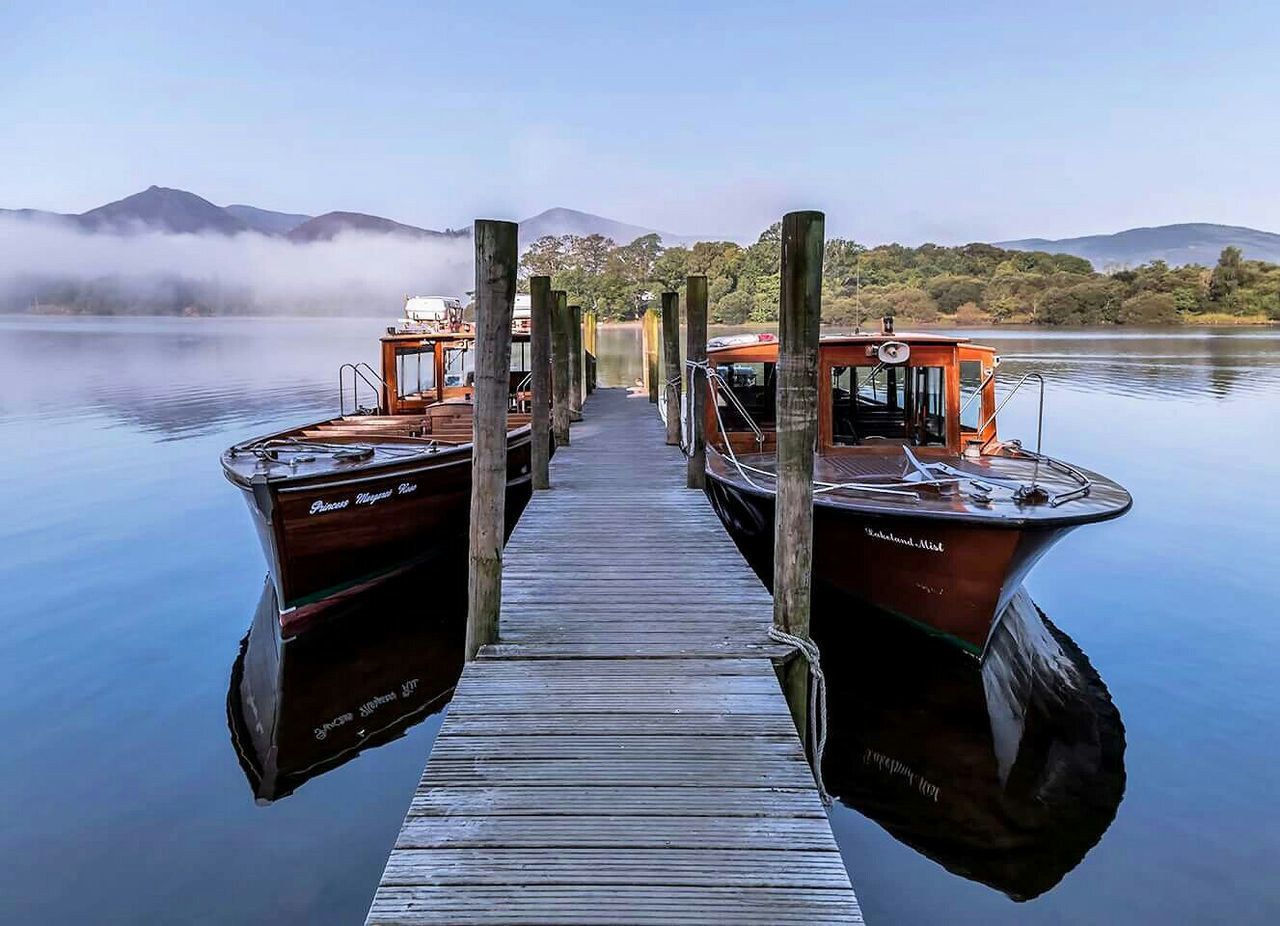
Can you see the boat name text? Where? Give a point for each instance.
(916, 543)
(901, 770)
(328, 727)
(320, 506)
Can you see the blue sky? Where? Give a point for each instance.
(946, 122)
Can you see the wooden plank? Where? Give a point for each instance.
(623, 753)
(645, 800)
(559, 905)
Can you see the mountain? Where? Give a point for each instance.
(328, 226)
(1188, 243)
(164, 210)
(561, 221)
(36, 215)
(266, 221)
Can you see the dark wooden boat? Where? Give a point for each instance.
(919, 507)
(380, 663)
(343, 503)
(1007, 773)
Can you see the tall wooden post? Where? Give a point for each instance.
(695, 297)
(496, 257)
(671, 365)
(577, 364)
(560, 367)
(590, 345)
(540, 362)
(652, 322)
(644, 351)
(797, 430)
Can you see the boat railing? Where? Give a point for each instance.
(1005, 401)
(1083, 482)
(991, 374)
(360, 372)
(720, 384)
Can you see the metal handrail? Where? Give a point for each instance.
(716, 379)
(981, 386)
(1012, 392)
(1035, 470)
(358, 370)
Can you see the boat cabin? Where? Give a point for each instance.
(423, 368)
(935, 392)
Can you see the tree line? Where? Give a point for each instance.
(931, 284)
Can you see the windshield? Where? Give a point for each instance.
(888, 404)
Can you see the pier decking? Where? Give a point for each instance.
(624, 754)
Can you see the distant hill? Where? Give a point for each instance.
(328, 226)
(171, 211)
(161, 209)
(561, 221)
(266, 221)
(1189, 243)
(36, 215)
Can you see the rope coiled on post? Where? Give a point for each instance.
(817, 702)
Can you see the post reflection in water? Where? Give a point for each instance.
(1006, 773)
(376, 665)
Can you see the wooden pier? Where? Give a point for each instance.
(625, 753)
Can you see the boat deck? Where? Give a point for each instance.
(624, 754)
(1105, 499)
(318, 449)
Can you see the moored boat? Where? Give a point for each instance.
(919, 507)
(343, 503)
(379, 664)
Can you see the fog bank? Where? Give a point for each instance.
(47, 266)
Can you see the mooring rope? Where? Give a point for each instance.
(817, 702)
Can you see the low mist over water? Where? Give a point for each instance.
(48, 266)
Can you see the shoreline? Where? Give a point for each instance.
(1202, 321)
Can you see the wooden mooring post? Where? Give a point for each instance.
(540, 382)
(652, 322)
(797, 431)
(591, 354)
(577, 364)
(496, 255)
(560, 367)
(671, 365)
(695, 298)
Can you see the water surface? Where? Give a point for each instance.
(131, 577)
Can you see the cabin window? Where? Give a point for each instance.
(970, 394)
(754, 385)
(888, 404)
(415, 370)
(459, 367)
(521, 357)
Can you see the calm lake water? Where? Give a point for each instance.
(131, 576)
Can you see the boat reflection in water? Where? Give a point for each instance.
(1007, 774)
(380, 663)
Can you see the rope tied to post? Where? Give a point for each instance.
(817, 702)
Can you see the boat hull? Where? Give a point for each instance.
(328, 536)
(952, 577)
